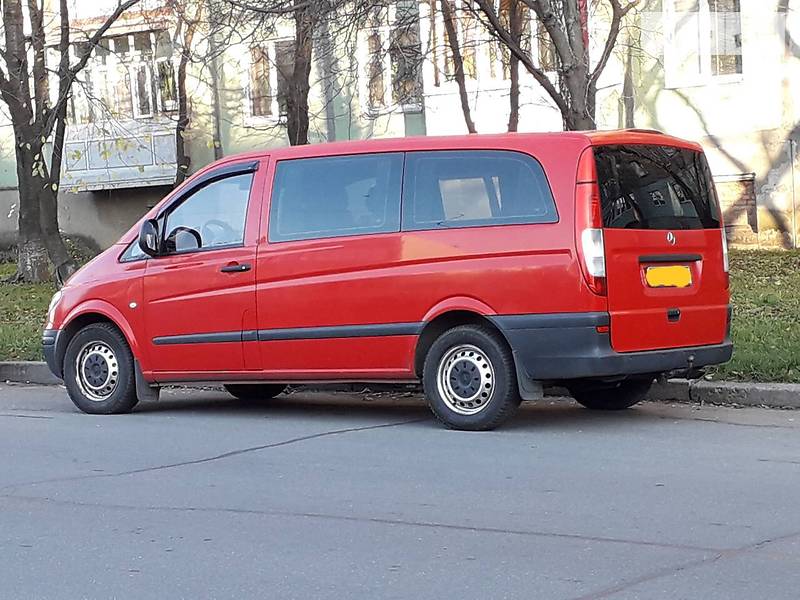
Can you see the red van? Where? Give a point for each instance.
(485, 266)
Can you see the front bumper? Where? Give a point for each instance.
(568, 346)
(50, 349)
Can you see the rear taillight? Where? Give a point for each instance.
(589, 224)
(726, 266)
(594, 259)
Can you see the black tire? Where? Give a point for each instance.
(474, 353)
(254, 392)
(110, 357)
(618, 396)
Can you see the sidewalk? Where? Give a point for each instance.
(769, 395)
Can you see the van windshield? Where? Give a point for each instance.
(655, 187)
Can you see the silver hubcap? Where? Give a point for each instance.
(465, 378)
(97, 371)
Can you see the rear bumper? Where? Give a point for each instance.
(568, 346)
(49, 348)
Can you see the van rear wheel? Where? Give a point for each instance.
(617, 396)
(254, 392)
(470, 380)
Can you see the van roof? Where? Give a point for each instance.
(471, 141)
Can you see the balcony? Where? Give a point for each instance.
(121, 154)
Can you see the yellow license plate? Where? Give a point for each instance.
(673, 276)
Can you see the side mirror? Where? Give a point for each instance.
(148, 238)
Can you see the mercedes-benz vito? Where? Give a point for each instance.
(484, 266)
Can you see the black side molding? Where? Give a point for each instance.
(295, 333)
(340, 331)
(669, 258)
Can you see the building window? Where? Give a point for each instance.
(405, 55)
(704, 42)
(165, 71)
(391, 57)
(466, 32)
(504, 13)
(547, 50)
(270, 69)
(726, 37)
(284, 61)
(375, 66)
(260, 101)
(125, 79)
(144, 91)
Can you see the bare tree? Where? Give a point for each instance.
(451, 29)
(515, 27)
(307, 17)
(36, 119)
(565, 23)
(189, 18)
(327, 33)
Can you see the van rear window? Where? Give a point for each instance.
(655, 187)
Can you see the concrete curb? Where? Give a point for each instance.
(770, 395)
(27, 372)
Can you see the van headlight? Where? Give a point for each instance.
(53, 303)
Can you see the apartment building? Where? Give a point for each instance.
(722, 72)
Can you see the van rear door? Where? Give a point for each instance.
(666, 266)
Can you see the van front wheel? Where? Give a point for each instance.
(617, 396)
(469, 379)
(98, 371)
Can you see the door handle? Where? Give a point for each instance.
(236, 268)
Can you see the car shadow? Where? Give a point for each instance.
(555, 412)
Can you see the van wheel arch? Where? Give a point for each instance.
(78, 323)
(448, 320)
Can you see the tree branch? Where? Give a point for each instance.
(618, 13)
(458, 62)
(498, 30)
(547, 16)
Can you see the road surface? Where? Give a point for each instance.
(340, 496)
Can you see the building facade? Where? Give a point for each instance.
(722, 72)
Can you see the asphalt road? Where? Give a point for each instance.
(337, 496)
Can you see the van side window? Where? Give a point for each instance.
(213, 216)
(471, 188)
(336, 196)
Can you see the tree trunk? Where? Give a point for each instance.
(35, 119)
(48, 199)
(515, 29)
(297, 121)
(458, 63)
(576, 120)
(581, 94)
(51, 235)
(33, 263)
(628, 99)
(182, 158)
